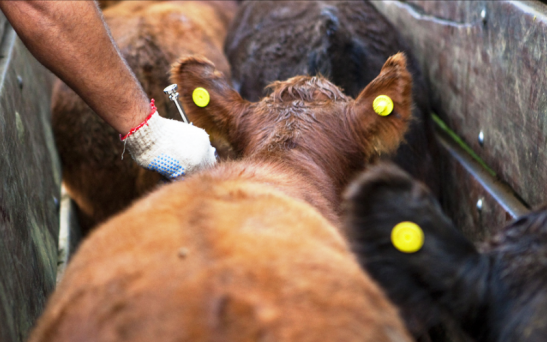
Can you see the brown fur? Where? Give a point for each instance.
(151, 35)
(221, 256)
(236, 252)
(306, 122)
(107, 3)
(347, 42)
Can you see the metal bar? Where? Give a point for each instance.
(500, 191)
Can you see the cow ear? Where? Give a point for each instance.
(215, 106)
(408, 245)
(383, 133)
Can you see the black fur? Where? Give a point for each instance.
(499, 294)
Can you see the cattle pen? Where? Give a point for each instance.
(484, 62)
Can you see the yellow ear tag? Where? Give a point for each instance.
(383, 105)
(201, 97)
(407, 237)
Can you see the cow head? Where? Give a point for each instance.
(304, 119)
(497, 293)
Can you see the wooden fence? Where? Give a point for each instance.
(30, 179)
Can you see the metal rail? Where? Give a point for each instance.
(499, 190)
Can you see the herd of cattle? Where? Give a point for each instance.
(274, 243)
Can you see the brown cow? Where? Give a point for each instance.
(242, 251)
(306, 122)
(151, 36)
(345, 41)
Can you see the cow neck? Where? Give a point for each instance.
(317, 180)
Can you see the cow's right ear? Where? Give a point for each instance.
(215, 108)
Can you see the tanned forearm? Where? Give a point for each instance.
(71, 39)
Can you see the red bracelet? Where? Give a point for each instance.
(145, 122)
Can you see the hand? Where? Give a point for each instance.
(170, 147)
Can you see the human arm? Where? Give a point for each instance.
(71, 39)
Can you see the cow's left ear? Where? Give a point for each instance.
(412, 249)
(382, 111)
(215, 106)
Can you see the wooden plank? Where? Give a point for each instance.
(474, 199)
(487, 75)
(4, 25)
(455, 11)
(29, 191)
(499, 190)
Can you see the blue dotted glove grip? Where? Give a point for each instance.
(167, 166)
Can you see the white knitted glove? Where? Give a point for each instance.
(170, 147)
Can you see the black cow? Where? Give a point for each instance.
(496, 293)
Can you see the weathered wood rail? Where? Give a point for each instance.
(486, 64)
(29, 192)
